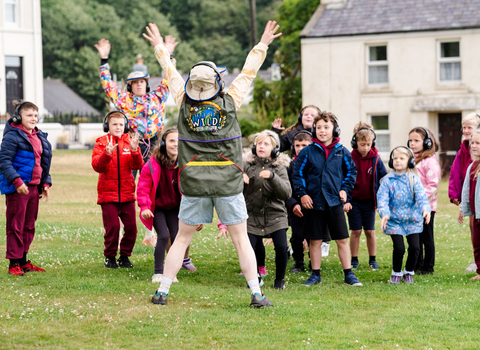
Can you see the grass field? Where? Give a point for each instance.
(78, 304)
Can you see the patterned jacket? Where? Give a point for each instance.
(395, 200)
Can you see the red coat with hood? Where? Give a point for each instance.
(116, 183)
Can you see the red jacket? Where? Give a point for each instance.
(116, 183)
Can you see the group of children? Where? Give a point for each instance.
(198, 167)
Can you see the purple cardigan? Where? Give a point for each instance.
(459, 171)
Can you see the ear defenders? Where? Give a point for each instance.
(105, 122)
(275, 150)
(221, 83)
(129, 87)
(300, 115)
(354, 144)
(427, 142)
(411, 161)
(336, 129)
(17, 118)
(292, 147)
(163, 145)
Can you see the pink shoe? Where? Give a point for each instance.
(189, 266)
(263, 271)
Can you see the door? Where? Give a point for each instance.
(450, 135)
(13, 81)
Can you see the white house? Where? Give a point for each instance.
(396, 65)
(20, 53)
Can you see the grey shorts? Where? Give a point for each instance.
(199, 210)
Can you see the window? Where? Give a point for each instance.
(377, 65)
(450, 66)
(11, 12)
(380, 125)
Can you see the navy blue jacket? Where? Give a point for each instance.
(17, 159)
(323, 179)
(379, 171)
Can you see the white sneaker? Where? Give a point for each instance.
(157, 278)
(472, 267)
(150, 239)
(325, 249)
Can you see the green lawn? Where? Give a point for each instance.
(78, 304)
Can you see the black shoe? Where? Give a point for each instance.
(123, 261)
(110, 263)
(260, 301)
(424, 272)
(279, 284)
(159, 298)
(298, 267)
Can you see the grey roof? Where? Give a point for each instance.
(359, 17)
(59, 98)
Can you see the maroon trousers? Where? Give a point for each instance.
(476, 243)
(22, 212)
(110, 214)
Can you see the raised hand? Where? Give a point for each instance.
(103, 48)
(110, 147)
(170, 43)
(277, 124)
(134, 142)
(153, 36)
(269, 33)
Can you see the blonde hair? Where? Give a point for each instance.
(410, 172)
(472, 117)
(294, 126)
(365, 134)
(475, 158)
(265, 134)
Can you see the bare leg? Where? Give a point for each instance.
(246, 255)
(355, 242)
(187, 252)
(174, 260)
(371, 242)
(344, 253)
(316, 253)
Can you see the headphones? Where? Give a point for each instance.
(275, 150)
(411, 162)
(336, 129)
(105, 123)
(129, 87)
(292, 147)
(427, 142)
(354, 144)
(163, 145)
(17, 118)
(300, 115)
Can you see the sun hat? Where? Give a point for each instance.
(204, 81)
(137, 75)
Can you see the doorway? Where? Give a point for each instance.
(450, 137)
(13, 80)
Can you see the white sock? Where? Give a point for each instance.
(165, 285)
(254, 286)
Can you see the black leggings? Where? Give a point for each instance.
(427, 245)
(164, 222)
(399, 251)
(281, 256)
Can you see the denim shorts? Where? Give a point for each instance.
(199, 210)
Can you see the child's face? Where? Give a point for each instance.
(475, 145)
(468, 128)
(324, 131)
(364, 147)
(308, 116)
(299, 145)
(264, 148)
(171, 141)
(415, 141)
(400, 161)
(139, 87)
(29, 119)
(116, 126)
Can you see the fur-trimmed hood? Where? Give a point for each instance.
(282, 160)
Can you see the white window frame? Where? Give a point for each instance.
(16, 13)
(441, 60)
(382, 132)
(376, 63)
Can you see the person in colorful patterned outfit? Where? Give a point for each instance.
(403, 205)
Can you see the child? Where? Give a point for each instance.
(323, 175)
(402, 202)
(209, 152)
(470, 204)
(423, 144)
(305, 121)
(361, 203)
(114, 156)
(25, 159)
(294, 208)
(459, 168)
(266, 189)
